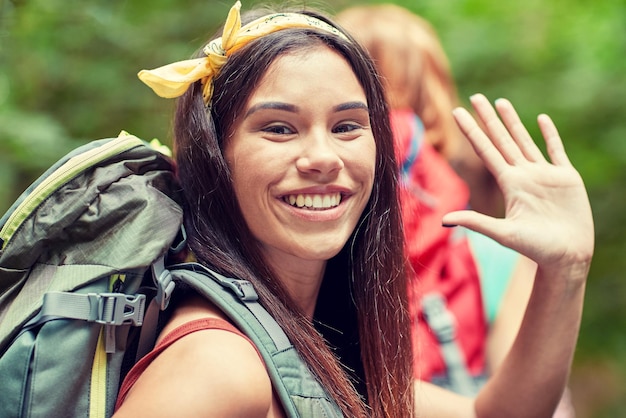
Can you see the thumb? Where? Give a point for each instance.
(475, 221)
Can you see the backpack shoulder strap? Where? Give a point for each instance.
(300, 393)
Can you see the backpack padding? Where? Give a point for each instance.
(299, 391)
(77, 151)
(118, 215)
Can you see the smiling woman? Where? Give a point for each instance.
(294, 114)
(286, 158)
(304, 206)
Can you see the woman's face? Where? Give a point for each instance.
(303, 157)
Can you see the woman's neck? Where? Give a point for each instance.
(302, 279)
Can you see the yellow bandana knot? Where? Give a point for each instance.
(174, 79)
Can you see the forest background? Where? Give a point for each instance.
(68, 75)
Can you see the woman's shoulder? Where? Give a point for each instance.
(192, 308)
(212, 371)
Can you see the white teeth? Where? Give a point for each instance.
(314, 201)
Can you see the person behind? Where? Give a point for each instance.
(286, 157)
(421, 83)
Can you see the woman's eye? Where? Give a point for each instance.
(278, 130)
(345, 128)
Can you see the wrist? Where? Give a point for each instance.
(564, 278)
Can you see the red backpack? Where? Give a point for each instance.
(448, 321)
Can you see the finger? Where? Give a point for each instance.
(498, 133)
(482, 145)
(518, 131)
(554, 144)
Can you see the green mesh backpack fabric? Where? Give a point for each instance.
(85, 271)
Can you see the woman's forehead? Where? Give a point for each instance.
(309, 73)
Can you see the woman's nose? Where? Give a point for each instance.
(319, 156)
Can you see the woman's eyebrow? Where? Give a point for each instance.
(350, 106)
(294, 109)
(272, 105)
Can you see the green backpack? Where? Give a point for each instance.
(85, 272)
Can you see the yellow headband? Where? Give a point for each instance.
(174, 79)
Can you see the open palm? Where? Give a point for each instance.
(548, 216)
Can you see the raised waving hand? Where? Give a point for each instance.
(548, 216)
(548, 219)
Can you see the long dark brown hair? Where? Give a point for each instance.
(373, 256)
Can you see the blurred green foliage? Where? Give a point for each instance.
(68, 75)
